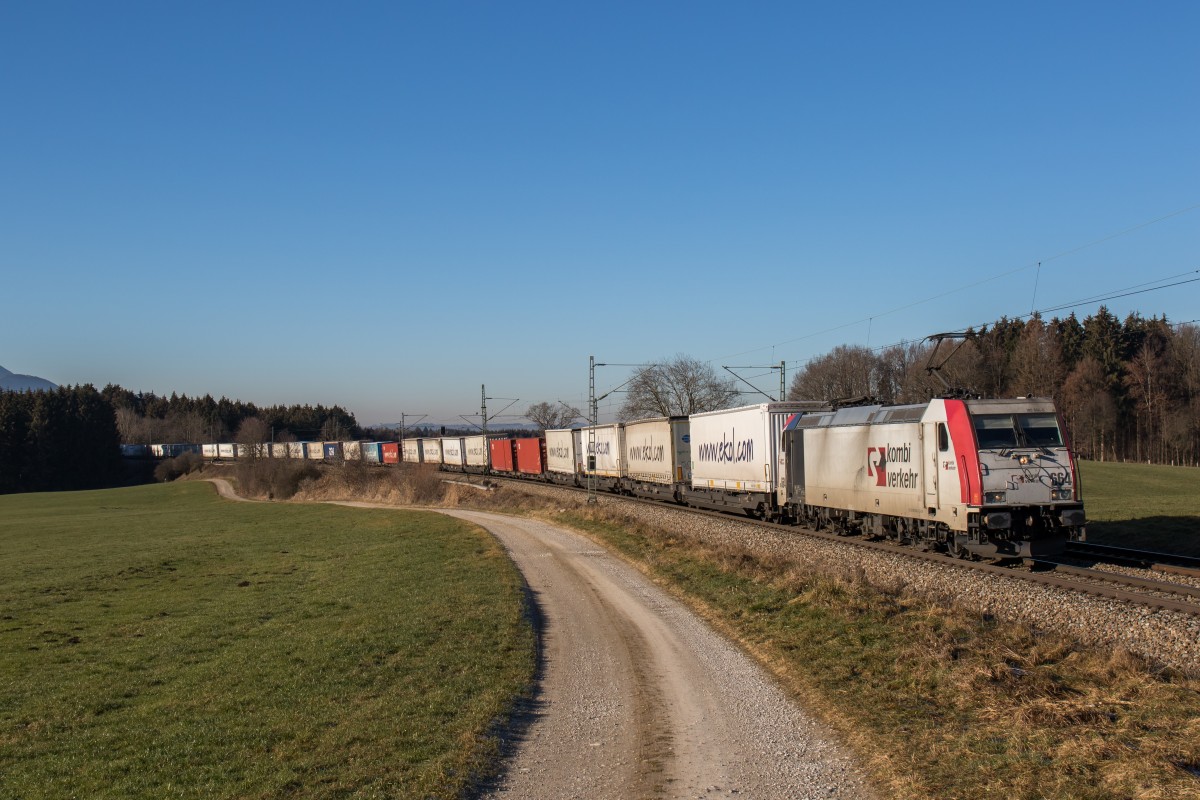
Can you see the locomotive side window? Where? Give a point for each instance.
(943, 437)
(1040, 430)
(995, 430)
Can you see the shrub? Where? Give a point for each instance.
(180, 465)
(274, 478)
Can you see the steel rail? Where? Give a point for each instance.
(1144, 559)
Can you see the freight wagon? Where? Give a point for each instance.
(737, 460)
(454, 453)
(562, 456)
(658, 457)
(478, 453)
(501, 455)
(431, 451)
(603, 447)
(530, 456)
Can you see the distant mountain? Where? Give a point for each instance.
(11, 382)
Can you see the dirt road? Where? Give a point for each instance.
(639, 698)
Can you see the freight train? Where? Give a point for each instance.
(975, 478)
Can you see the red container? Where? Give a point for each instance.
(531, 456)
(501, 452)
(391, 452)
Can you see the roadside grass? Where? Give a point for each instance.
(160, 642)
(1143, 506)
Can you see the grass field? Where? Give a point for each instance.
(160, 642)
(1143, 506)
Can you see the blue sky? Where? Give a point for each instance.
(388, 205)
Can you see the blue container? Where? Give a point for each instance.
(333, 451)
(135, 450)
(372, 452)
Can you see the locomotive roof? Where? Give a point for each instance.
(1009, 405)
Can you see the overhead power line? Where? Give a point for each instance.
(905, 307)
(1129, 291)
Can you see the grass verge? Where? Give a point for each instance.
(160, 642)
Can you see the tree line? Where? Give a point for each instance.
(1128, 390)
(147, 418)
(61, 439)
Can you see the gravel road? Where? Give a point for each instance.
(638, 698)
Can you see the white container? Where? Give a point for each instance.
(656, 450)
(454, 452)
(412, 451)
(605, 443)
(295, 450)
(314, 451)
(561, 455)
(208, 450)
(739, 449)
(226, 451)
(352, 451)
(431, 451)
(279, 450)
(477, 451)
(250, 450)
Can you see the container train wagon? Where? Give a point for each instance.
(975, 478)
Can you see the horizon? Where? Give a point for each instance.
(385, 208)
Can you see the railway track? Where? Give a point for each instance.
(1059, 574)
(1142, 559)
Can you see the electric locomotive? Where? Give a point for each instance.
(978, 478)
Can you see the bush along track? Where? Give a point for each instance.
(938, 700)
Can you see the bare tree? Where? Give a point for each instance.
(252, 433)
(552, 416)
(1089, 409)
(680, 385)
(189, 426)
(132, 427)
(847, 371)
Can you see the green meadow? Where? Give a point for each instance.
(161, 642)
(1143, 506)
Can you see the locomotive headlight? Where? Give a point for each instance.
(1023, 460)
(994, 497)
(1060, 494)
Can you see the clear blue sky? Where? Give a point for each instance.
(388, 205)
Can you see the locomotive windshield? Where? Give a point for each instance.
(998, 431)
(1040, 430)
